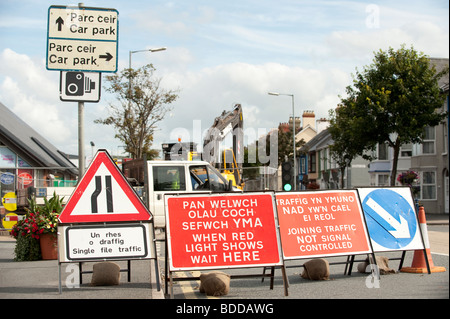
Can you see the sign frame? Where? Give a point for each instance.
(97, 52)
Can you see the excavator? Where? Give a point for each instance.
(227, 161)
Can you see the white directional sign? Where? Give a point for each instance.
(82, 39)
(117, 241)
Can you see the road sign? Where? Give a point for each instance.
(391, 218)
(9, 201)
(82, 39)
(111, 241)
(9, 221)
(321, 223)
(103, 195)
(80, 86)
(25, 178)
(211, 231)
(7, 178)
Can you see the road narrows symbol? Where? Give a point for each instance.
(109, 199)
(98, 190)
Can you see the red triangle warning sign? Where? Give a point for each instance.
(103, 195)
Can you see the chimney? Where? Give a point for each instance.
(309, 118)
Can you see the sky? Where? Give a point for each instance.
(219, 53)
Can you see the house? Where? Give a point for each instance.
(319, 170)
(429, 159)
(306, 130)
(27, 159)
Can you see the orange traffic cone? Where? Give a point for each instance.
(419, 264)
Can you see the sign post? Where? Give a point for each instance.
(82, 39)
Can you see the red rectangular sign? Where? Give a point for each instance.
(222, 231)
(321, 223)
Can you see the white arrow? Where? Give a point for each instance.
(401, 228)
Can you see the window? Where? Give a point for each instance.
(303, 165)
(429, 140)
(169, 178)
(428, 185)
(312, 162)
(406, 150)
(205, 178)
(382, 151)
(7, 157)
(383, 180)
(7, 181)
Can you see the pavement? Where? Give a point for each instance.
(437, 219)
(40, 279)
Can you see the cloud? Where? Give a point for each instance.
(32, 94)
(357, 47)
(206, 93)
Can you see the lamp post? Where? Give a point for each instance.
(147, 50)
(293, 131)
(136, 51)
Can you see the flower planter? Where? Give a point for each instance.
(49, 246)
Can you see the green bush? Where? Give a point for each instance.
(27, 249)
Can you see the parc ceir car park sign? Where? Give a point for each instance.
(82, 39)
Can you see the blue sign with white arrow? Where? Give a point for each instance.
(391, 218)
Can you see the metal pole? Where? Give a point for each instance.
(81, 167)
(80, 132)
(293, 131)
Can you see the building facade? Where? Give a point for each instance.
(428, 159)
(28, 160)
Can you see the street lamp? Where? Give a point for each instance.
(136, 51)
(147, 50)
(293, 130)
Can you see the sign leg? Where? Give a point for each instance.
(272, 273)
(171, 285)
(285, 281)
(59, 275)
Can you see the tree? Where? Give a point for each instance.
(285, 143)
(142, 104)
(348, 143)
(392, 101)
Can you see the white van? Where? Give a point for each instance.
(173, 177)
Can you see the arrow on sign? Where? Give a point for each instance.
(401, 228)
(59, 22)
(106, 56)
